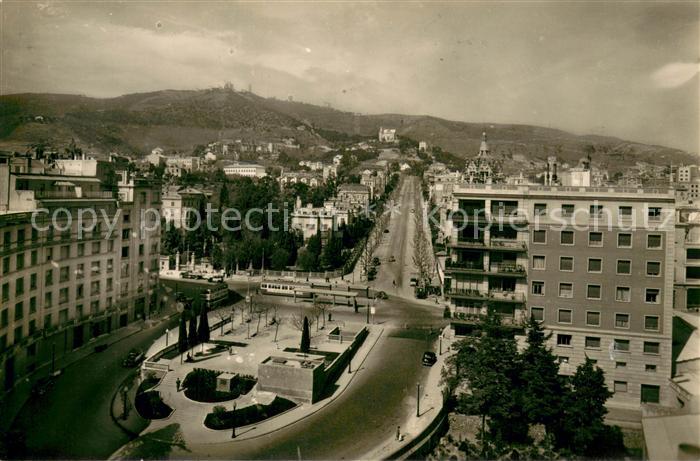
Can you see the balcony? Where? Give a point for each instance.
(507, 244)
(491, 295)
(464, 266)
(509, 269)
(477, 267)
(470, 243)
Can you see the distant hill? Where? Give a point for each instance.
(180, 120)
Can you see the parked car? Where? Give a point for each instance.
(429, 358)
(392, 259)
(43, 385)
(216, 278)
(386, 231)
(382, 295)
(133, 358)
(376, 261)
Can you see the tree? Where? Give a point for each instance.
(583, 427)
(192, 338)
(542, 389)
(279, 259)
(332, 255)
(203, 332)
(182, 335)
(305, 337)
(308, 261)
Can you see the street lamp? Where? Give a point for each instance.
(233, 422)
(167, 336)
(417, 399)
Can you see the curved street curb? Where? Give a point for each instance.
(115, 420)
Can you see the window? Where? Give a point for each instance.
(20, 261)
(596, 210)
(96, 247)
(592, 342)
(49, 254)
(624, 266)
(650, 368)
(65, 252)
(567, 238)
(654, 213)
(621, 345)
(539, 236)
(35, 257)
(564, 316)
(110, 266)
(125, 252)
(624, 240)
(3, 318)
(650, 393)
(595, 265)
(109, 284)
(538, 262)
(593, 291)
(19, 286)
(95, 306)
(125, 234)
(95, 287)
(540, 209)
(141, 250)
(19, 311)
(79, 271)
(63, 295)
(81, 249)
(622, 294)
(593, 318)
(620, 386)
(566, 263)
(6, 291)
(692, 254)
(6, 265)
(652, 296)
(32, 281)
(566, 290)
(48, 299)
(653, 241)
(538, 288)
(64, 274)
(48, 278)
(141, 267)
(79, 291)
(595, 239)
(653, 268)
(651, 347)
(47, 321)
(563, 359)
(651, 322)
(537, 313)
(625, 212)
(95, 267)
(622, 320)
(567, 210)
(563, 340)
(620, 364)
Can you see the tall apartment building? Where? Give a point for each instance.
(59, 289)
(594, 265)
(687, 278)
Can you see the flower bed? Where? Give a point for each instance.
(222, 419)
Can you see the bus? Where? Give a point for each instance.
(284, 288)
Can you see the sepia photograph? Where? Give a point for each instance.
(349, 230)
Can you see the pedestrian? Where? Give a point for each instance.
(177, 384)
(398, 432)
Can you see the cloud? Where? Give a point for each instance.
(675, 74)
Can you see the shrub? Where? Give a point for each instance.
(150, 405)
(200, 385)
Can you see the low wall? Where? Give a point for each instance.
(304, 384)
(333, 371)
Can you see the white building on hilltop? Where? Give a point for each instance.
(387, 135)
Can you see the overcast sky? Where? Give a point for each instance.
(623, 69)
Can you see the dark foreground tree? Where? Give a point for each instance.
(182, 336)
(305, 337)
(192, 337)
(203, 332)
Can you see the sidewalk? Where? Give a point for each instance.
(431, 400)
(190, 415)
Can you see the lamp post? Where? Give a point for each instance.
(418, 400)
(167, 336)
(233, 422)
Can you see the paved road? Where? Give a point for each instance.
(73, 419)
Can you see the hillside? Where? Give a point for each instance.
(179, 120)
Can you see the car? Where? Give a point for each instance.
(386, 231)
(392, 259)
(382, 295)
(216, 278)
(376, 261)
(414, 282)
(413, 210)
(43, 385)
(429, 358)
(133, 358)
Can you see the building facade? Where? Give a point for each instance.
(594, 265)
(61, 287)
(251, 170)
